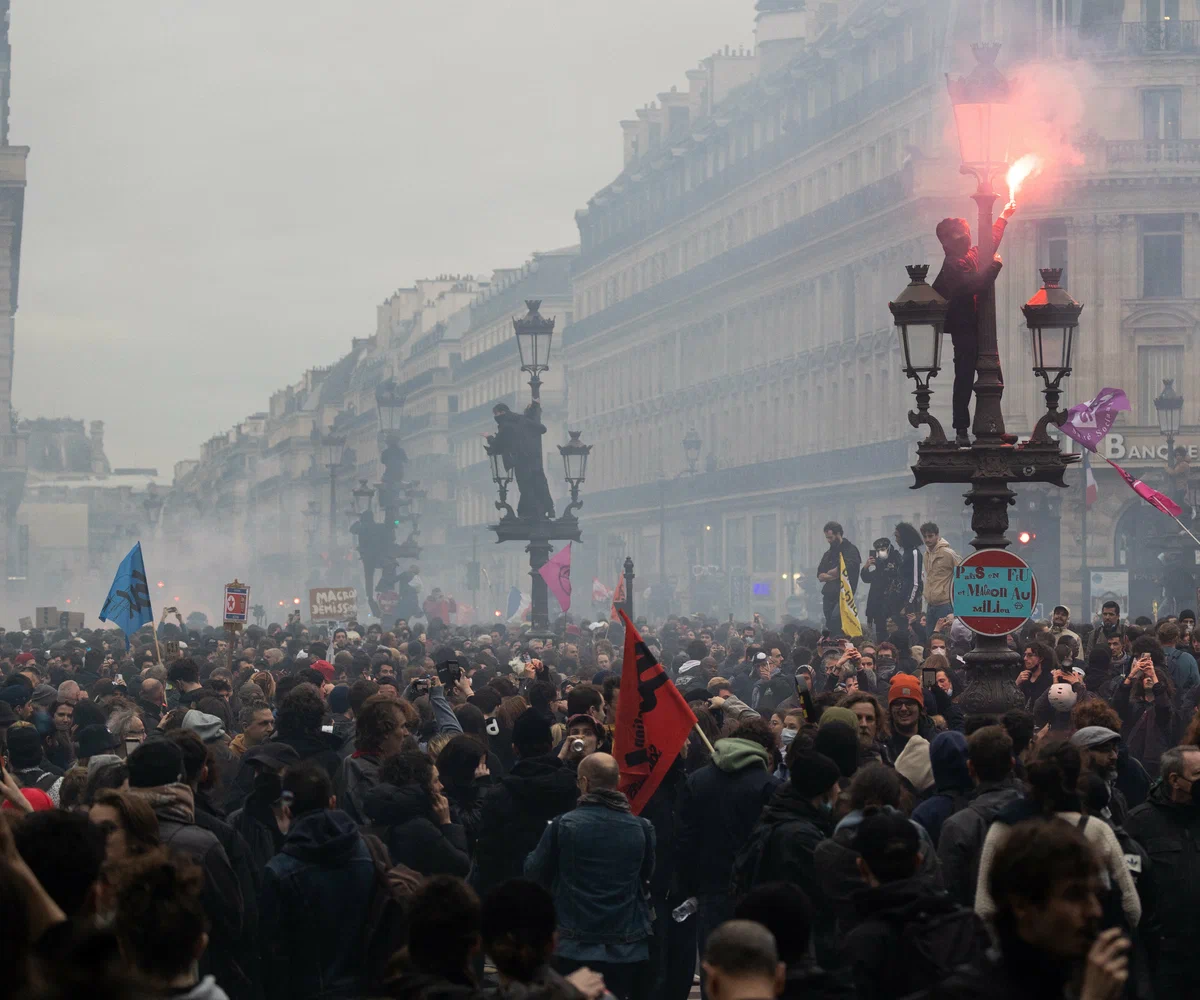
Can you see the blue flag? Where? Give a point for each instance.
(128, 603)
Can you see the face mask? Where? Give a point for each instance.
(881, 553)
(826, 808)
(786, 736)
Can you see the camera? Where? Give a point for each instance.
(449, 672)
(577, 745)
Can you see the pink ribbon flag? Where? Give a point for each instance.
(1088, 422)
(557, 574)
(1160, 501)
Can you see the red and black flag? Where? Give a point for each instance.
(653, 720)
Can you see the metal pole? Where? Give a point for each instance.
(989, 379)
(539, 595)
(629, 587)
(1170, 451)
(1084, 572)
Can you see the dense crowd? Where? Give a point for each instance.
(429, 811)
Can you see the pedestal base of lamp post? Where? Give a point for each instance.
(537, 534)
(989, 470)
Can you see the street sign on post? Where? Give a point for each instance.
(237, 603)
(994, 592)
(328, 604)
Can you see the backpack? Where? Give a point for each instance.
(386, 924)
(747, 862)
(921, 954)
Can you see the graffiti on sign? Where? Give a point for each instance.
(332, 603)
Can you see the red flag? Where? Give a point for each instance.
(1155, 499)
(557, 574)
(618, 597)
(653, 720)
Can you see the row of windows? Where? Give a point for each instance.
(858, 168)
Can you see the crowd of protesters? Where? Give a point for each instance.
(428, 811)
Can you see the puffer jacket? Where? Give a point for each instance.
(939, 573)
(402, 818)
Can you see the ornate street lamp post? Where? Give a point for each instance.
(1169, 406)
(510, 458)
(333, 446)
(992, 462)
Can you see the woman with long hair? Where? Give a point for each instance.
(1145, 701)
(410, 805)
(463, 767)
(1053, 778)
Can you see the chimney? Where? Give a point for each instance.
(780, 30)
(99, 462)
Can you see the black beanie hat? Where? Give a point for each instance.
(156, 762)
(839, 742)
(24, 745)
(532, 730)
(813, 773)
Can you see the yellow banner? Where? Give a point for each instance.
(849, 610)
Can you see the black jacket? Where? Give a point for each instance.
(514, 816)
(961, 280)
(1169, 832)
(875, 950)
(829, 561)
(256, 822)
(317, 747)
(717, 811)
(316, 899)
(797, 828)
(403, 820)
(884, 598)
(808, 981)
(963, 834)
(1015, 969)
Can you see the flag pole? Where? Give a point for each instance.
(703, 738)
(1085, 575)
(1190, 535)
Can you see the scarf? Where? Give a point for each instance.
(610, 798)
(173, 802)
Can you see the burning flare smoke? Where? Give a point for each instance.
(1019, 172)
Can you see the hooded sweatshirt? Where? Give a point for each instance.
(732, 755)
(413, 835)
(952, 783)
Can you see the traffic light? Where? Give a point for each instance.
(1025, 537)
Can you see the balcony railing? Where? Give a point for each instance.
(1159, 36)
(1146, 152)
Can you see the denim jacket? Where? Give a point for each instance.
(596, 860)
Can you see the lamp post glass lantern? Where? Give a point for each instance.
(982, 115)
(1053, 317)
(534, 335)
(1169, 406)
(389, 404)
(363, 494)
(575, 458)
(920, 317)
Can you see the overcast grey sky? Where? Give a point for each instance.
(221, 191)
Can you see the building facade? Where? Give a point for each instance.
(731, 288)
(734, 280)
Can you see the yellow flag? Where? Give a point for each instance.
(849, 610)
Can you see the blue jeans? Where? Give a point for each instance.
(936, 612)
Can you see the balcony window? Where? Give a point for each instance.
(1154, 365)
(1162, 256)
(1160, 114)
(1052, 246)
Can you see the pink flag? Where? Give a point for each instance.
(557, 574)
(1147, 493)
(599, 591)
(1088, 422)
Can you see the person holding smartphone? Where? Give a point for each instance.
(1145, 703)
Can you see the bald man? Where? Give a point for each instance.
(596, 860)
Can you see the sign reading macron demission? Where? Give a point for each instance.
(332, 603)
